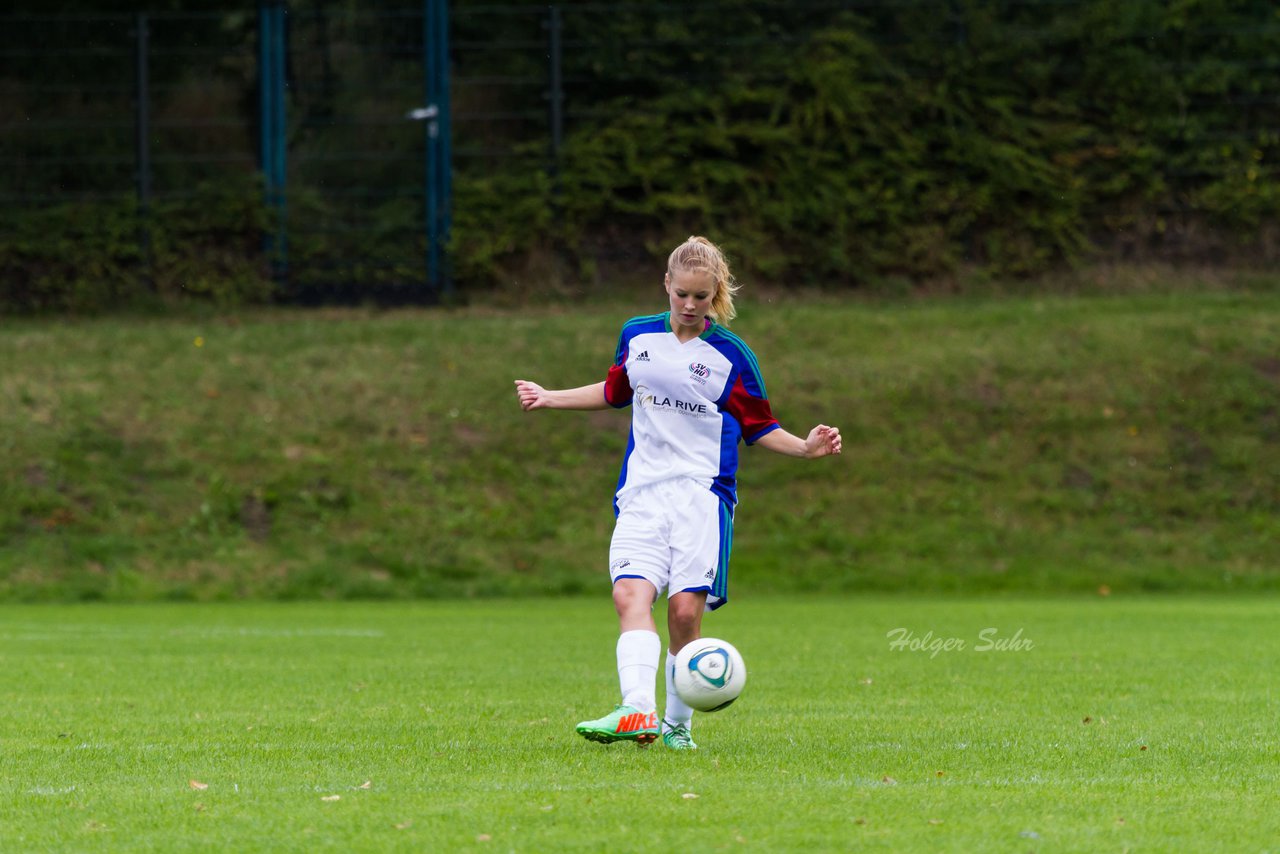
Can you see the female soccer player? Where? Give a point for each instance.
(695, 390)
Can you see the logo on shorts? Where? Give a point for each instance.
(699, 372)
(619, 565)
(711, 573)
(643, 357)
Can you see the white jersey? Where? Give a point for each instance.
(691, 404)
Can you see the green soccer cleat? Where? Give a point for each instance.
(676, 736)
(625, 723)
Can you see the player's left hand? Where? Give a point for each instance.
(823, 441)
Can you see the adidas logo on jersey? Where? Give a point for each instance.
(643, 357)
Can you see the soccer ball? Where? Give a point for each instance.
(709, 674)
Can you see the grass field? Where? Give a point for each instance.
(1027, 444)
(1129, 724)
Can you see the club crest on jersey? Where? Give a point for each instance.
(699, 372)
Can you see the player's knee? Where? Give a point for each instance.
(683, 613)
(684, 616)
(632, 598)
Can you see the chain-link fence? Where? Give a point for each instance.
(157, 108)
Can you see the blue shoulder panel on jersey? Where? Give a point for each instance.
(635, 326)
(737, 351)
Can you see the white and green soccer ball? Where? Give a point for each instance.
(709, 674)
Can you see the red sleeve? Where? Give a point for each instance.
(617, 387)
(753, 413)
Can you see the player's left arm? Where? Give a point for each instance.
(823, 441)
(747, 403)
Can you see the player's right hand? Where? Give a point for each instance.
(531, 395)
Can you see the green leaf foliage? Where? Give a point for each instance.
(822, 143)
(921, 140)
(88, 257)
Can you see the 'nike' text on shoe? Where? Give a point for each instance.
(624, 723)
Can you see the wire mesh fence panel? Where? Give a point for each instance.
(591, 129)
(356, 159)
(67, 96)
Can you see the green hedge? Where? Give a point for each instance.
(822, 145)
(910, 141)
(90, 256)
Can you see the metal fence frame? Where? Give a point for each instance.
(546, 108)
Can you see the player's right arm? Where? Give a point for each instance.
(533, 396)
(614, 392)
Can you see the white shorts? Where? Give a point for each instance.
(677, 535)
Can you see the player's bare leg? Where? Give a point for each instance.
(684, 618)
(633, 599)
(684, 623)
(639, 647)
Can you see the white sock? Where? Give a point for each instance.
(678, 712)
(638, 652)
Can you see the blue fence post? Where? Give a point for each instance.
(437, 157)
(430, 130)
(272, 134)
(142, 139)
(281, 139)
(555, 91)
(445, 159)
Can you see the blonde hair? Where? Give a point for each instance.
(699, 255)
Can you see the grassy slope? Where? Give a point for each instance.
(1130, 724)
(1021, 444)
